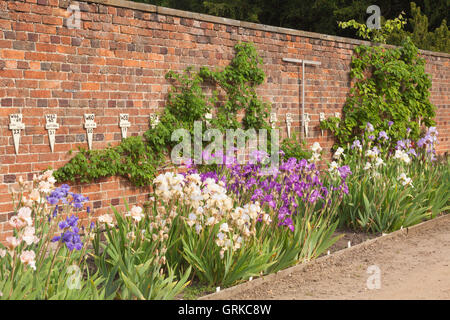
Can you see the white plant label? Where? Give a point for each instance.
(16, 125)
(124, 124)
(273, 119)
(321, 119)
(337, 115)
(51, 125)
(74, 20)
(306, 122)
(89, 125)
(288, 123)
(374, 281)
(208, 117)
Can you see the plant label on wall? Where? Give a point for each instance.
(273, 119)
(124, 124)
(15, 124)
(74, 20)
(51, 125)
(306, 121)
(208, 117)
(321, 119)
(89, 125)
(288, 123)
(337, 115)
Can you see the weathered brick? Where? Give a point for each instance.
(7, 102)
(9, 178)
(76, 42)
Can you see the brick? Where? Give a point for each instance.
(34, 75)
(7, 102)
(45, 47)
(76, 42)
(52, 20)
(11, 74)
(97, 204)
(42, 103)
(23, 65)
(9, 178)
(13, 54)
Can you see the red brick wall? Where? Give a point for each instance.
(116, 62)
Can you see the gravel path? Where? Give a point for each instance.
(413, 264)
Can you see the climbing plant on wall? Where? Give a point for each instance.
(391, 88)
(137, 158)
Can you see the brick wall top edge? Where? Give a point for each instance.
(237, 23)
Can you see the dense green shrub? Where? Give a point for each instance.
(292, 148)
(131, 159)
(390, 84)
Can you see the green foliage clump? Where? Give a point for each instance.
(131, 159)
(239, 81)
(186, 103)
(293, 149)
(390, 84)
(135, 267)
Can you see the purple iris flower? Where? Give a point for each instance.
(376, 150)
(314, 196)
(62, 193)
(421, 143)
(250, 183)
(369, 127)
(356, 144)
(383, 135)
(412, 152)
(400, 145)
(303, 163)
(432, 131)
(257, 195)
(189, 163)
(69, 236)
(344, 171)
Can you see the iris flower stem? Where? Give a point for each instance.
(65, 266)
(14, 265)
(50, 270)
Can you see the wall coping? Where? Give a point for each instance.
(237, 23)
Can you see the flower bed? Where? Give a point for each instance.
(217, 225)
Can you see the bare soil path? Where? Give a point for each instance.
(414, 264)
